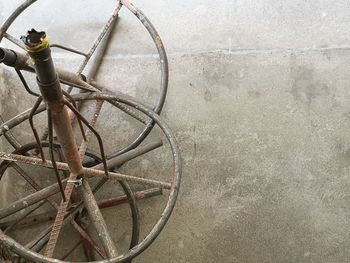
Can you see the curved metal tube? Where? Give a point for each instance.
(164, 76)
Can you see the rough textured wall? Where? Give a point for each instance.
(259, 101)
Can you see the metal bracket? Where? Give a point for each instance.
(76, 182)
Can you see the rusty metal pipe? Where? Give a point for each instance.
(87, 171)
(21, 61)
(15, 59)
(95, 217)
(38, 49)
(141, 195)
(7, 56)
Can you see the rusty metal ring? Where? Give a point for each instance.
(17, 248)
(162, 58)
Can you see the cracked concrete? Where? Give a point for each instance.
(259, 102)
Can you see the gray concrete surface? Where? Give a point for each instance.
(259, 102)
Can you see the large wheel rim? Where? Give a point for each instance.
(162, 59)
(17, 248)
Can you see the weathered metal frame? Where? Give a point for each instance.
(163, 60)
(175, 184)
(89, 84)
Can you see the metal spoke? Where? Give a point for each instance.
(52, 155)
(87, 238)
(104, 30)
(87, 171)
(95, 217)
(140, 195)
(36, 135)
(25, 83)
(69, 49)
(15, 41)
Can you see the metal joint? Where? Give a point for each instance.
(51, 92)
(76, 182)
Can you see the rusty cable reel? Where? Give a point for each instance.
(60, 175)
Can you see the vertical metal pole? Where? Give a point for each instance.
(38, 48)
(37, 45)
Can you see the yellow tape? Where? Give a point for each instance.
(44, 44)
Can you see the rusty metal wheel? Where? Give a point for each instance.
(35, 199)
(77, 180)
(99, 47)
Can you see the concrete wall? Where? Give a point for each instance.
(259, 102)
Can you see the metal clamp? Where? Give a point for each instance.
(76, 182)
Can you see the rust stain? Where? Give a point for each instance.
(159, 41)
